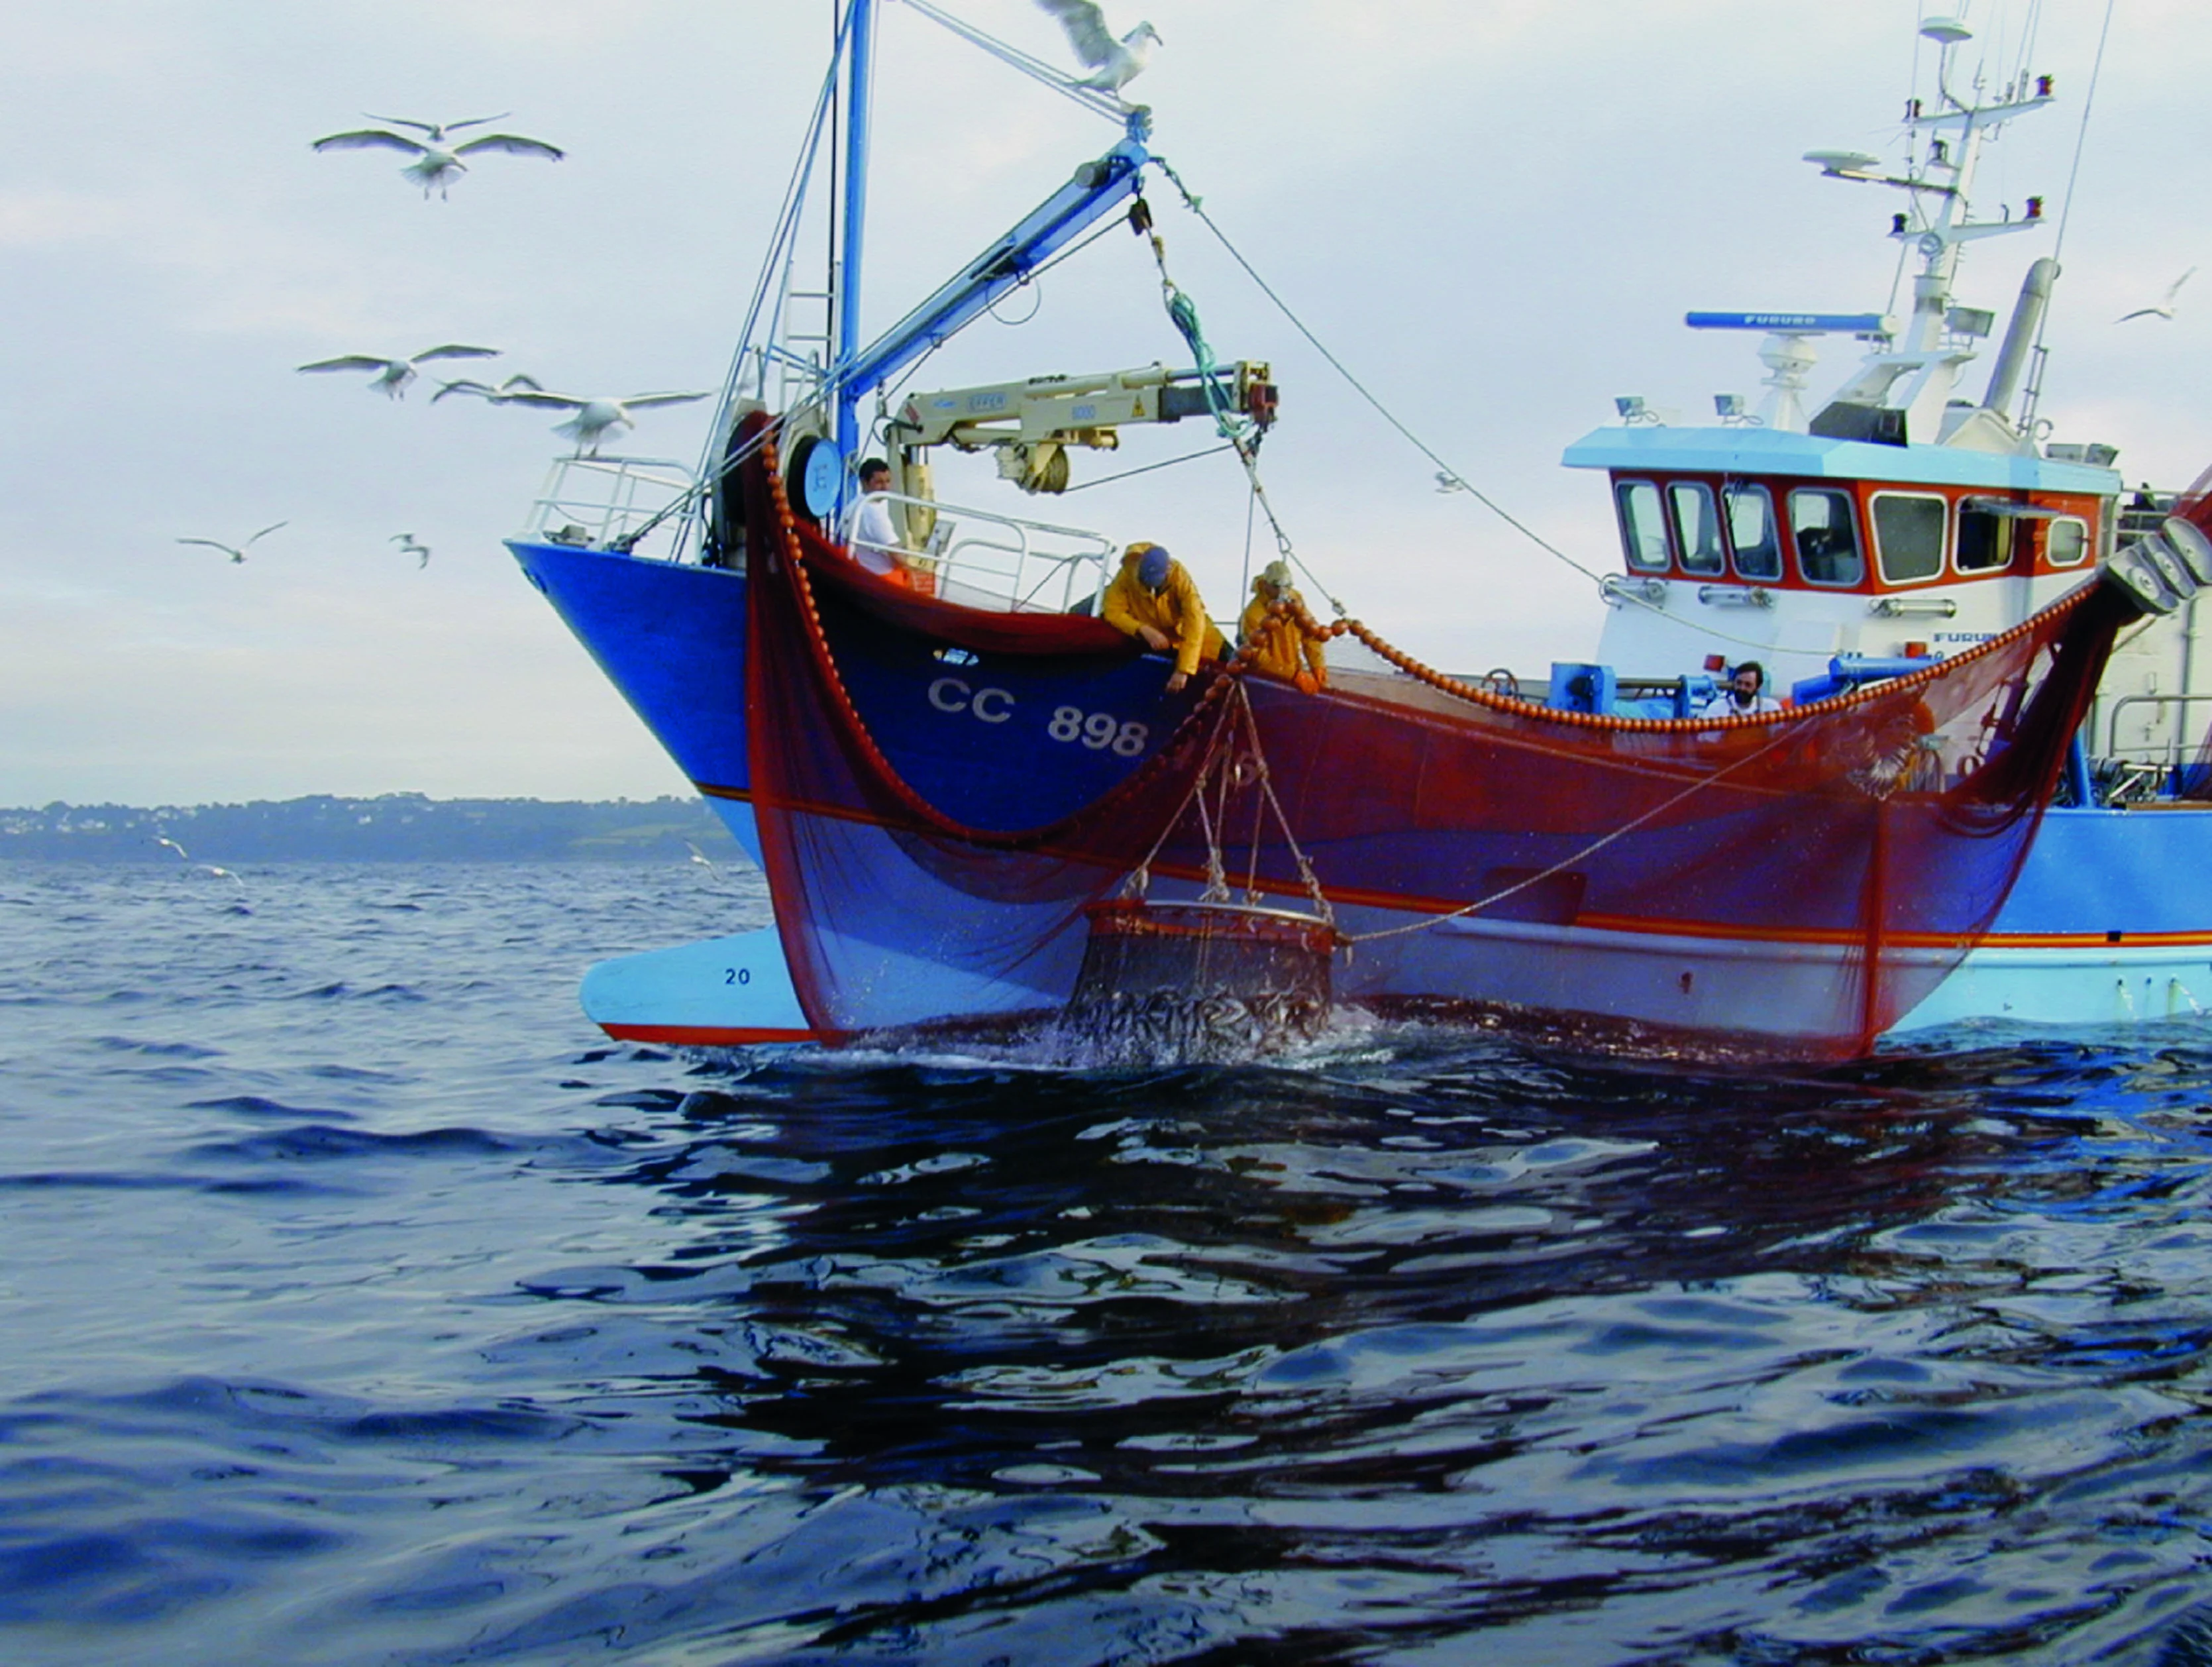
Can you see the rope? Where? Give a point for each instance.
(1216, 885)
(928, 815)
(1131, 474)
(1241, 432)
(1478, 695)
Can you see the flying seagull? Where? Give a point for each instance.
(466, 386)
(237, 553)
(437, 163)
(2165, 308)
(208, 868)
(393, 375)
(1115, 63)
(594, 418)
(411, 545)
(1448, 482)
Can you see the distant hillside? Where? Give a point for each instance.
(394, 827)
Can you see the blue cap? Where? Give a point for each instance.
(1152, 567)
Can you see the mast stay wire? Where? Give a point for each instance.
(1090, 98)
(1610, 593)
(2074, 171)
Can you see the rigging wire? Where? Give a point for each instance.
(2080, 142)
(1196, 207)
(1131, 474)
(1610, 592)
(1090, 98)
(2066, 209)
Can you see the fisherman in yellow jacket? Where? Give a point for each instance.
(1154, 598)
(1276, 641)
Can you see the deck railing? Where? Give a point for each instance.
(603, 502)
(2162, 759)
(982, 559)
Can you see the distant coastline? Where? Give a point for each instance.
(394, 827)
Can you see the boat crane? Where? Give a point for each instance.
(1031, 423)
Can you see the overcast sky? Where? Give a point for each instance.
(1495, 211)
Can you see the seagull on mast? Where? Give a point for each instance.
(594, 418)
(411, 545)
(393, 375)
(237, 553)
(1115, 63)
(2165, 308)
(437, 162)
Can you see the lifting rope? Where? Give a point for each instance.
(1242, 431)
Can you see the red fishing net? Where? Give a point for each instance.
(1799, 880)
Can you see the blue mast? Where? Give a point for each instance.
(859, 47)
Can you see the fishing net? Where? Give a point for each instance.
(1802, 879)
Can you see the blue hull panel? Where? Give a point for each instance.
(2110, 922)
(671, 639)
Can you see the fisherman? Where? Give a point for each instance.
(1153, 598)
(874, 541)
(1276, 641)
(1743, 694)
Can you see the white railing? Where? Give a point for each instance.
(605, 502)
(2176, 750)
(984, 560)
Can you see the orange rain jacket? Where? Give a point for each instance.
(1277, 642)
(1177, 609)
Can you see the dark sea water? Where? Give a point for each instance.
(363, 1305)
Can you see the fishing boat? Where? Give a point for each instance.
(959, 778)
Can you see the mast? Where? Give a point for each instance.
(860, 62)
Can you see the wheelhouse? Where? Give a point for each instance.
(1774, 510)
(1873, 535)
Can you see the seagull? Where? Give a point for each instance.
(237, 553)
(2165, 308)
(1116, 63)
(1448, 482)
(393, 375)
(411, 545)
(465, 385)
(207, 868)
(436, 163)
(594, 418)
(436, 131)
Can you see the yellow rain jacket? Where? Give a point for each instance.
(1178, 611)
(1277, 642)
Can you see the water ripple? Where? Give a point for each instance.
(380, 1312)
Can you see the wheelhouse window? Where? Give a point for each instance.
(1643, 530)
(1908, 536)
(1825, 532)
(2066, 541)
(1697, 528)
(1986, 541)
(1750, 511)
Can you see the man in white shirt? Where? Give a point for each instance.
(874, 540)
(1743, 694)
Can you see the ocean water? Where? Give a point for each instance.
(362, 1305)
